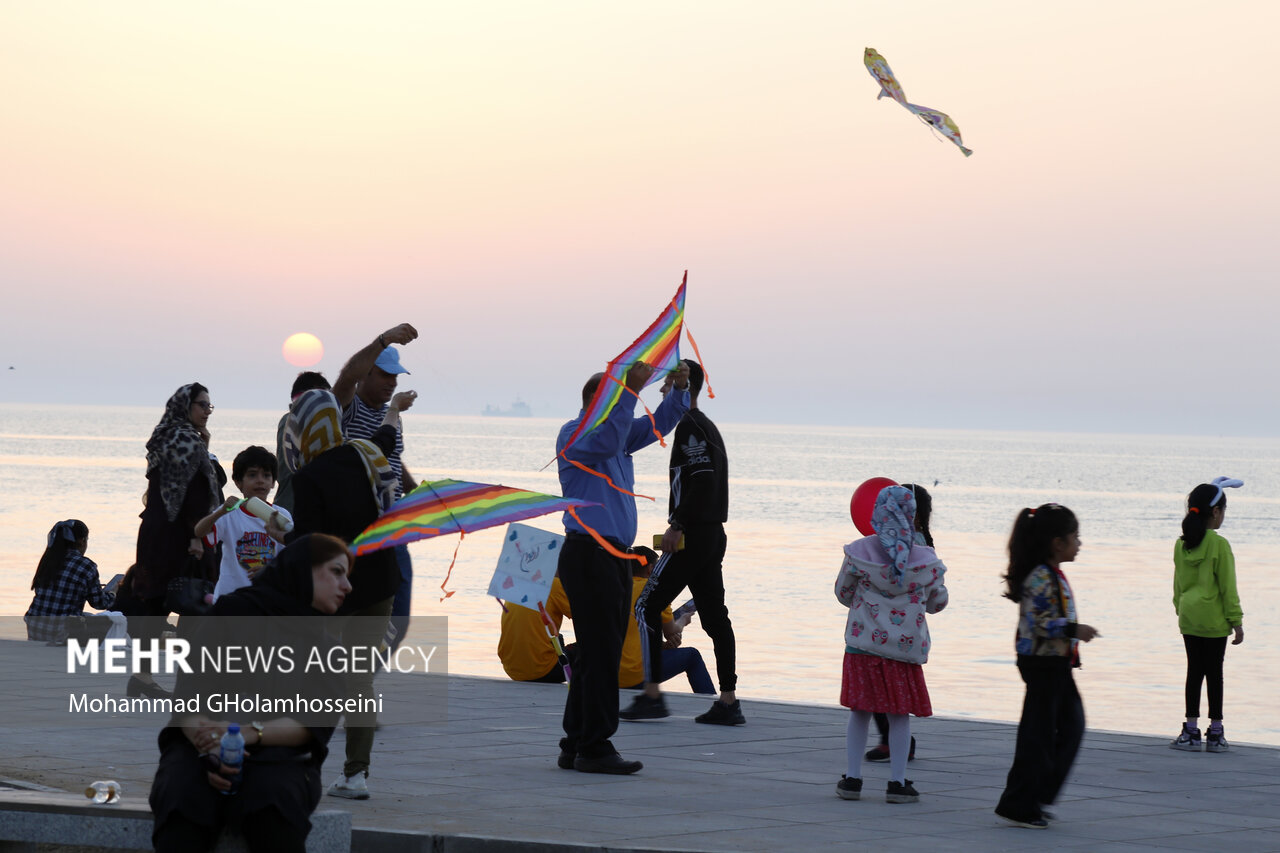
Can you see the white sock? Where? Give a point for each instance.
(899, 746)
(855, 742)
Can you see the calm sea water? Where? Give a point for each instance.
(790, 489)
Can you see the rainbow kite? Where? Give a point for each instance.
(659, 347)
(879, 68)
(441, 507)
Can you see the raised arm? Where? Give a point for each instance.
(359, 365)
(205, 525)
(611, 437)
(675, 403)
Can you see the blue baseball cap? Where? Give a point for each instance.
(389, 361)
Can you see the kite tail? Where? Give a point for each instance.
(605, 543)
(603, 476)
(706, 377)
(448, 593)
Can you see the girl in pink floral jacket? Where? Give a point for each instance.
(889, 584)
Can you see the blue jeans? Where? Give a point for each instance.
(688, 661)
(404, 595)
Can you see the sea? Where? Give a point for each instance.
(790, 488)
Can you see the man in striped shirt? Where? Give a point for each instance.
(364, 389)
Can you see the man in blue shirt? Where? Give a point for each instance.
(598, 583)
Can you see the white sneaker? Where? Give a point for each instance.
(350, 787)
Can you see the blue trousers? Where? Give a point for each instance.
(404, 595)
(687, 661)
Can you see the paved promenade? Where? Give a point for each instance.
(769, 786)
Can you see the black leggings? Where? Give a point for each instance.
(1204, 664)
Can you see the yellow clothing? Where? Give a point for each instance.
(631, 669)
(524, 647)
(526, 652)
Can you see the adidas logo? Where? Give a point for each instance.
(695, 451)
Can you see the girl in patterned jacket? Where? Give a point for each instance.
(1047, 643)
(889, 584)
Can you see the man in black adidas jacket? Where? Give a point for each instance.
(697, 511)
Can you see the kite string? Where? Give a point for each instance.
(605, 543)
(653, 424)
(706, 377)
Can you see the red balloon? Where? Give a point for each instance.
(864, 501)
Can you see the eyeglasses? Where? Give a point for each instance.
(208, 407)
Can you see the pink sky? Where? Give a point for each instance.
(184, 186)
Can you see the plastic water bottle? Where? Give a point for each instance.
(104, 792)
(232, 754)
(264, 511)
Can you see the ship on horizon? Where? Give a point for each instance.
(519, 409)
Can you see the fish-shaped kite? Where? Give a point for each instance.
(889, 86)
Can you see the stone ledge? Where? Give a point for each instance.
(38, 817)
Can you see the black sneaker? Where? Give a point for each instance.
(1215, 740)
(565, 759)
(901, 792)
(1024, 822)
(1188, 740)
(723, 715)
(613, 764)
(849, 789)
(644, 708)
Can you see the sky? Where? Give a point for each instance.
(183, 186)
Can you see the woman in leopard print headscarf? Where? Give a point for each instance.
(183, 487)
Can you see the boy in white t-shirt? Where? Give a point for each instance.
(248, 543)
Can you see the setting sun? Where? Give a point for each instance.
(303, 349)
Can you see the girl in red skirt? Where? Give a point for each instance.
(889, 584)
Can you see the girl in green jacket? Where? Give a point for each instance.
(1208, 608)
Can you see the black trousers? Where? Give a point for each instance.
(1049, 736)
(265, 831)
(700, 568)
(1204, 664)
(598, 586)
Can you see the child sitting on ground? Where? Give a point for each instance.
(248, 542)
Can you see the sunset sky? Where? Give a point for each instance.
(182, 186)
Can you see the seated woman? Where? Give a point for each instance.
(65, 580)
(279, 784)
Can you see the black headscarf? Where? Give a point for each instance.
(281, 592)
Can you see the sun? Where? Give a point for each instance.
(303, 350)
